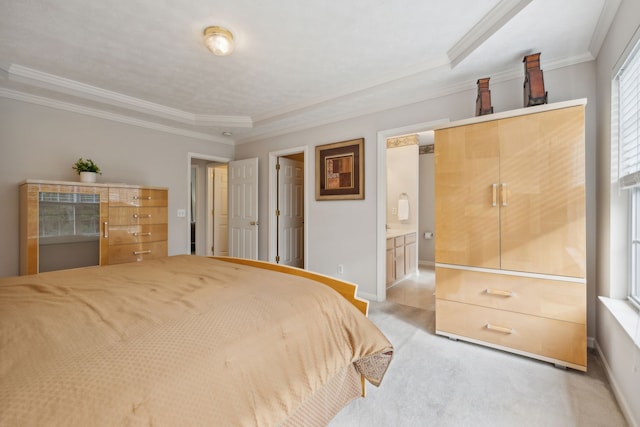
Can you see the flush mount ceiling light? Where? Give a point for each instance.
(218, 40)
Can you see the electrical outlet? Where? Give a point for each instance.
(182, 213)
(340, 268)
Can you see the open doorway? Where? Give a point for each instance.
(200, 225)
(242, 202)
(217, 234)
(383, 259)
(288, 197)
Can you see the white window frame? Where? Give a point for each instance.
(634, 246)
(628, 126)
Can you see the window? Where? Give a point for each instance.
(628, 82)
(634, 292)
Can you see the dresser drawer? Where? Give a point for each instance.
(127, 234)
(550, 338)
(399, 241)
(134, 216)
(409, 238)
(554, 299)
(137, 252)
(137, 197)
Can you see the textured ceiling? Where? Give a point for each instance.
(296, 64)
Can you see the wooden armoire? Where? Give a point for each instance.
(510, 232)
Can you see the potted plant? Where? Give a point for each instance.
(86, 169)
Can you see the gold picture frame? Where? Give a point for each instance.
(340, 170)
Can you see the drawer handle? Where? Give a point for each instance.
(496, 328)
(141, 216)
(141, 198)
(499, 292)
(106, 230)
(148, 251)
(148, 233)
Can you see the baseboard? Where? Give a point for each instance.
(368, 296)
(425, 263)
(622, 402)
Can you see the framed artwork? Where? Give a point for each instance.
(340, 170)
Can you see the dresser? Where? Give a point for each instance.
(73, 224)
(510, 232)
(137, 227)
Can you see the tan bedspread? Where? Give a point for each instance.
(178, 341)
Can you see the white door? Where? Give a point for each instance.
(243, 208)
(291, 212)
(220, 212)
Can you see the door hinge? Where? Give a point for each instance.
(277, 258)
(277, 166)
(277, 212)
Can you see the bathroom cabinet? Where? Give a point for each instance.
(401, 256)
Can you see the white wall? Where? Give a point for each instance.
(344, 232)
(42, 143)
(402, 179)
(616, 346)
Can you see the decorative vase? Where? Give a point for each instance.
(483, 101)
(534, 93)
(88, 176)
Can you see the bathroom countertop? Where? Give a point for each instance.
(395, 232)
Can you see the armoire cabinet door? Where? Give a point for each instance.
(543, 216)
(467, 209)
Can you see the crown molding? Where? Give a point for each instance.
(290, 112)
(223, 121)
(429, 94)
(58, 84)
(66, 106)
(607, 15)
(485, 28)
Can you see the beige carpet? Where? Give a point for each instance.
(434, 381)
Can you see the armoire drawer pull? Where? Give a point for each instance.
(499, 292)
(141, 216)
(141, 198)
(148, 233)
(496, 328)
(148, 251)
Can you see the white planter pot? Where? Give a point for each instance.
(88, 176)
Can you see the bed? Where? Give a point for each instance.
(183, 340)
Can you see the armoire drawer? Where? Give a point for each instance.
(137, 197)
(137, 252)
(550, 338)
(127, 234)
(555, 299)
(134, 216)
